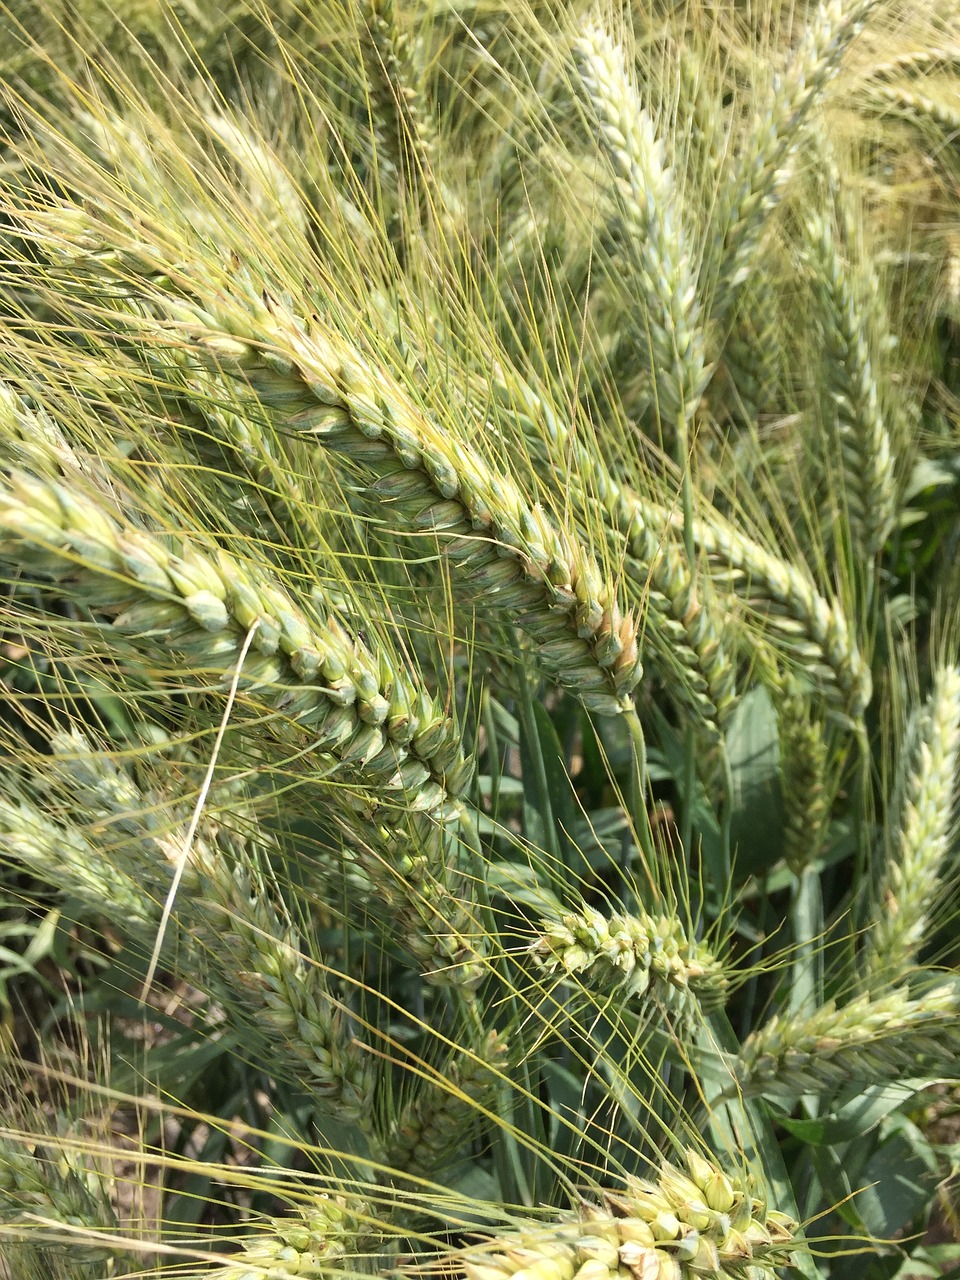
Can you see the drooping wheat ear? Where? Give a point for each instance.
(395, 85)
(811, 629)
(873, 1038)
(803, 775)
(912, 880)
(653, 227)
(758, 173)
(682, 623)
(631, 957)
(43, 1187)
(118, 837)
(687, 1223)
(434, 482)
(930, 108)
(847, 292)
(326, 1236)
(439, 1118)
(937, 57)
(366, 714)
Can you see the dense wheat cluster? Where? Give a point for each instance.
(479, 640)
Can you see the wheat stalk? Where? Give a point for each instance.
(879, 1038)
(912, 880)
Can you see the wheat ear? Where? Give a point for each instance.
(811, 628)
(368, 716)
(396, 91)
(435, 1122)
(436, 483)
(631, 957)
(327, 1235)
(41, 1185)
(803, 771)
(921, 108)
(653, 226)
(682, 622)
(872, 1038)
(847, 290)
(758, 174)
(226, 905)
(686, 1223)
(912, 879)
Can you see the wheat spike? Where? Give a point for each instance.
(912, 879)
(654, 229)
(847, 291)
(872, 1038)
(685, 1223)
(202, 605)
(758, 174)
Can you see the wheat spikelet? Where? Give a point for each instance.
(685, 1223)
(758, 175)
(202, 606)
(847, 291)
(872, 1038)
(913, 876)
(653, 227)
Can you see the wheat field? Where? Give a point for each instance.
(479, 640)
